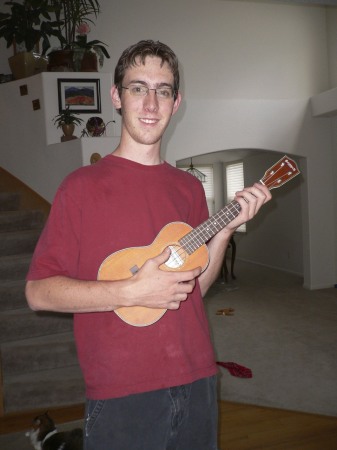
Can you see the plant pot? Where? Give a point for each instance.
(76, 60)
(41, 63)
(26, 64)
(89, 62)
(68, 132)
(22, 65)
(85, 61)
(61, 61)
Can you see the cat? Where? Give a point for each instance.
(44, 435)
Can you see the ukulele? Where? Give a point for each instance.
(188, 246)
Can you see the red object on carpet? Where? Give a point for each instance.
(236, 370)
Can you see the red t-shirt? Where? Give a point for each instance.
(98, 210)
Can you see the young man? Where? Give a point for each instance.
(150, 387)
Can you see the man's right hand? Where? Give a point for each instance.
(153, 287)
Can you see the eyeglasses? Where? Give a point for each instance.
(140, 90)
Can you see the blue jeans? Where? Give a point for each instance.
(179, 418)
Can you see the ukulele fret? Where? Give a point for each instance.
(204, 232)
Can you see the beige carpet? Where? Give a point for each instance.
(285, 334)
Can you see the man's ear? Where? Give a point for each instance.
(176, 103)
(116, 101)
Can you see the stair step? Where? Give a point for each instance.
(16, 242)
(14, 267)
(20, 220)
(25, 323)
(12, 295)
(39, 353)
(9, 201)
(44, 390)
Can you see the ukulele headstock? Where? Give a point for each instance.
(280, 173)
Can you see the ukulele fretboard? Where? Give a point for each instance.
(205, 231)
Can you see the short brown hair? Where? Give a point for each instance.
(141, 50)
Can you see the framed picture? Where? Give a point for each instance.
(81, 95)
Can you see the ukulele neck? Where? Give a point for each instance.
(280, 173)
(205, 231)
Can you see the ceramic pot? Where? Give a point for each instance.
(61, 61)
(68, 132)
(76, 60)
(22, 65)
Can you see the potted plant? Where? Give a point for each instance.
(84, 50)
(67, 120)
(79, 54)
(25, 26)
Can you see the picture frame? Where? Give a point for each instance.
(82, 95)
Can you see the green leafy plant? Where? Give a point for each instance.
(83, 45)
(72, 13)
(74, 17)
(67, 117)
(28, 23)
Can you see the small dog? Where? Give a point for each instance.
(44, 435)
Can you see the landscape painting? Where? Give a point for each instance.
(81, 95)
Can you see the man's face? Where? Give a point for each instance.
(145, 118)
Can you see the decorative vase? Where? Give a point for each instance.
(85, 60)
(76, 60)
(89, 62)
(22, 65)
(68, 132)
(61, 61)
(41, 63)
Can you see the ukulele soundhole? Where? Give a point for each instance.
(177, 257)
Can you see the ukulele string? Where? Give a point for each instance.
(201, 234)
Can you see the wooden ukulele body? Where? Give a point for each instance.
(126, 263)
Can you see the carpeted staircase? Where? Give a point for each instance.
(38, 356)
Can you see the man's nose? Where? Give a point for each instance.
(151, 100)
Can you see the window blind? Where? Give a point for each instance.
(234, 183)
